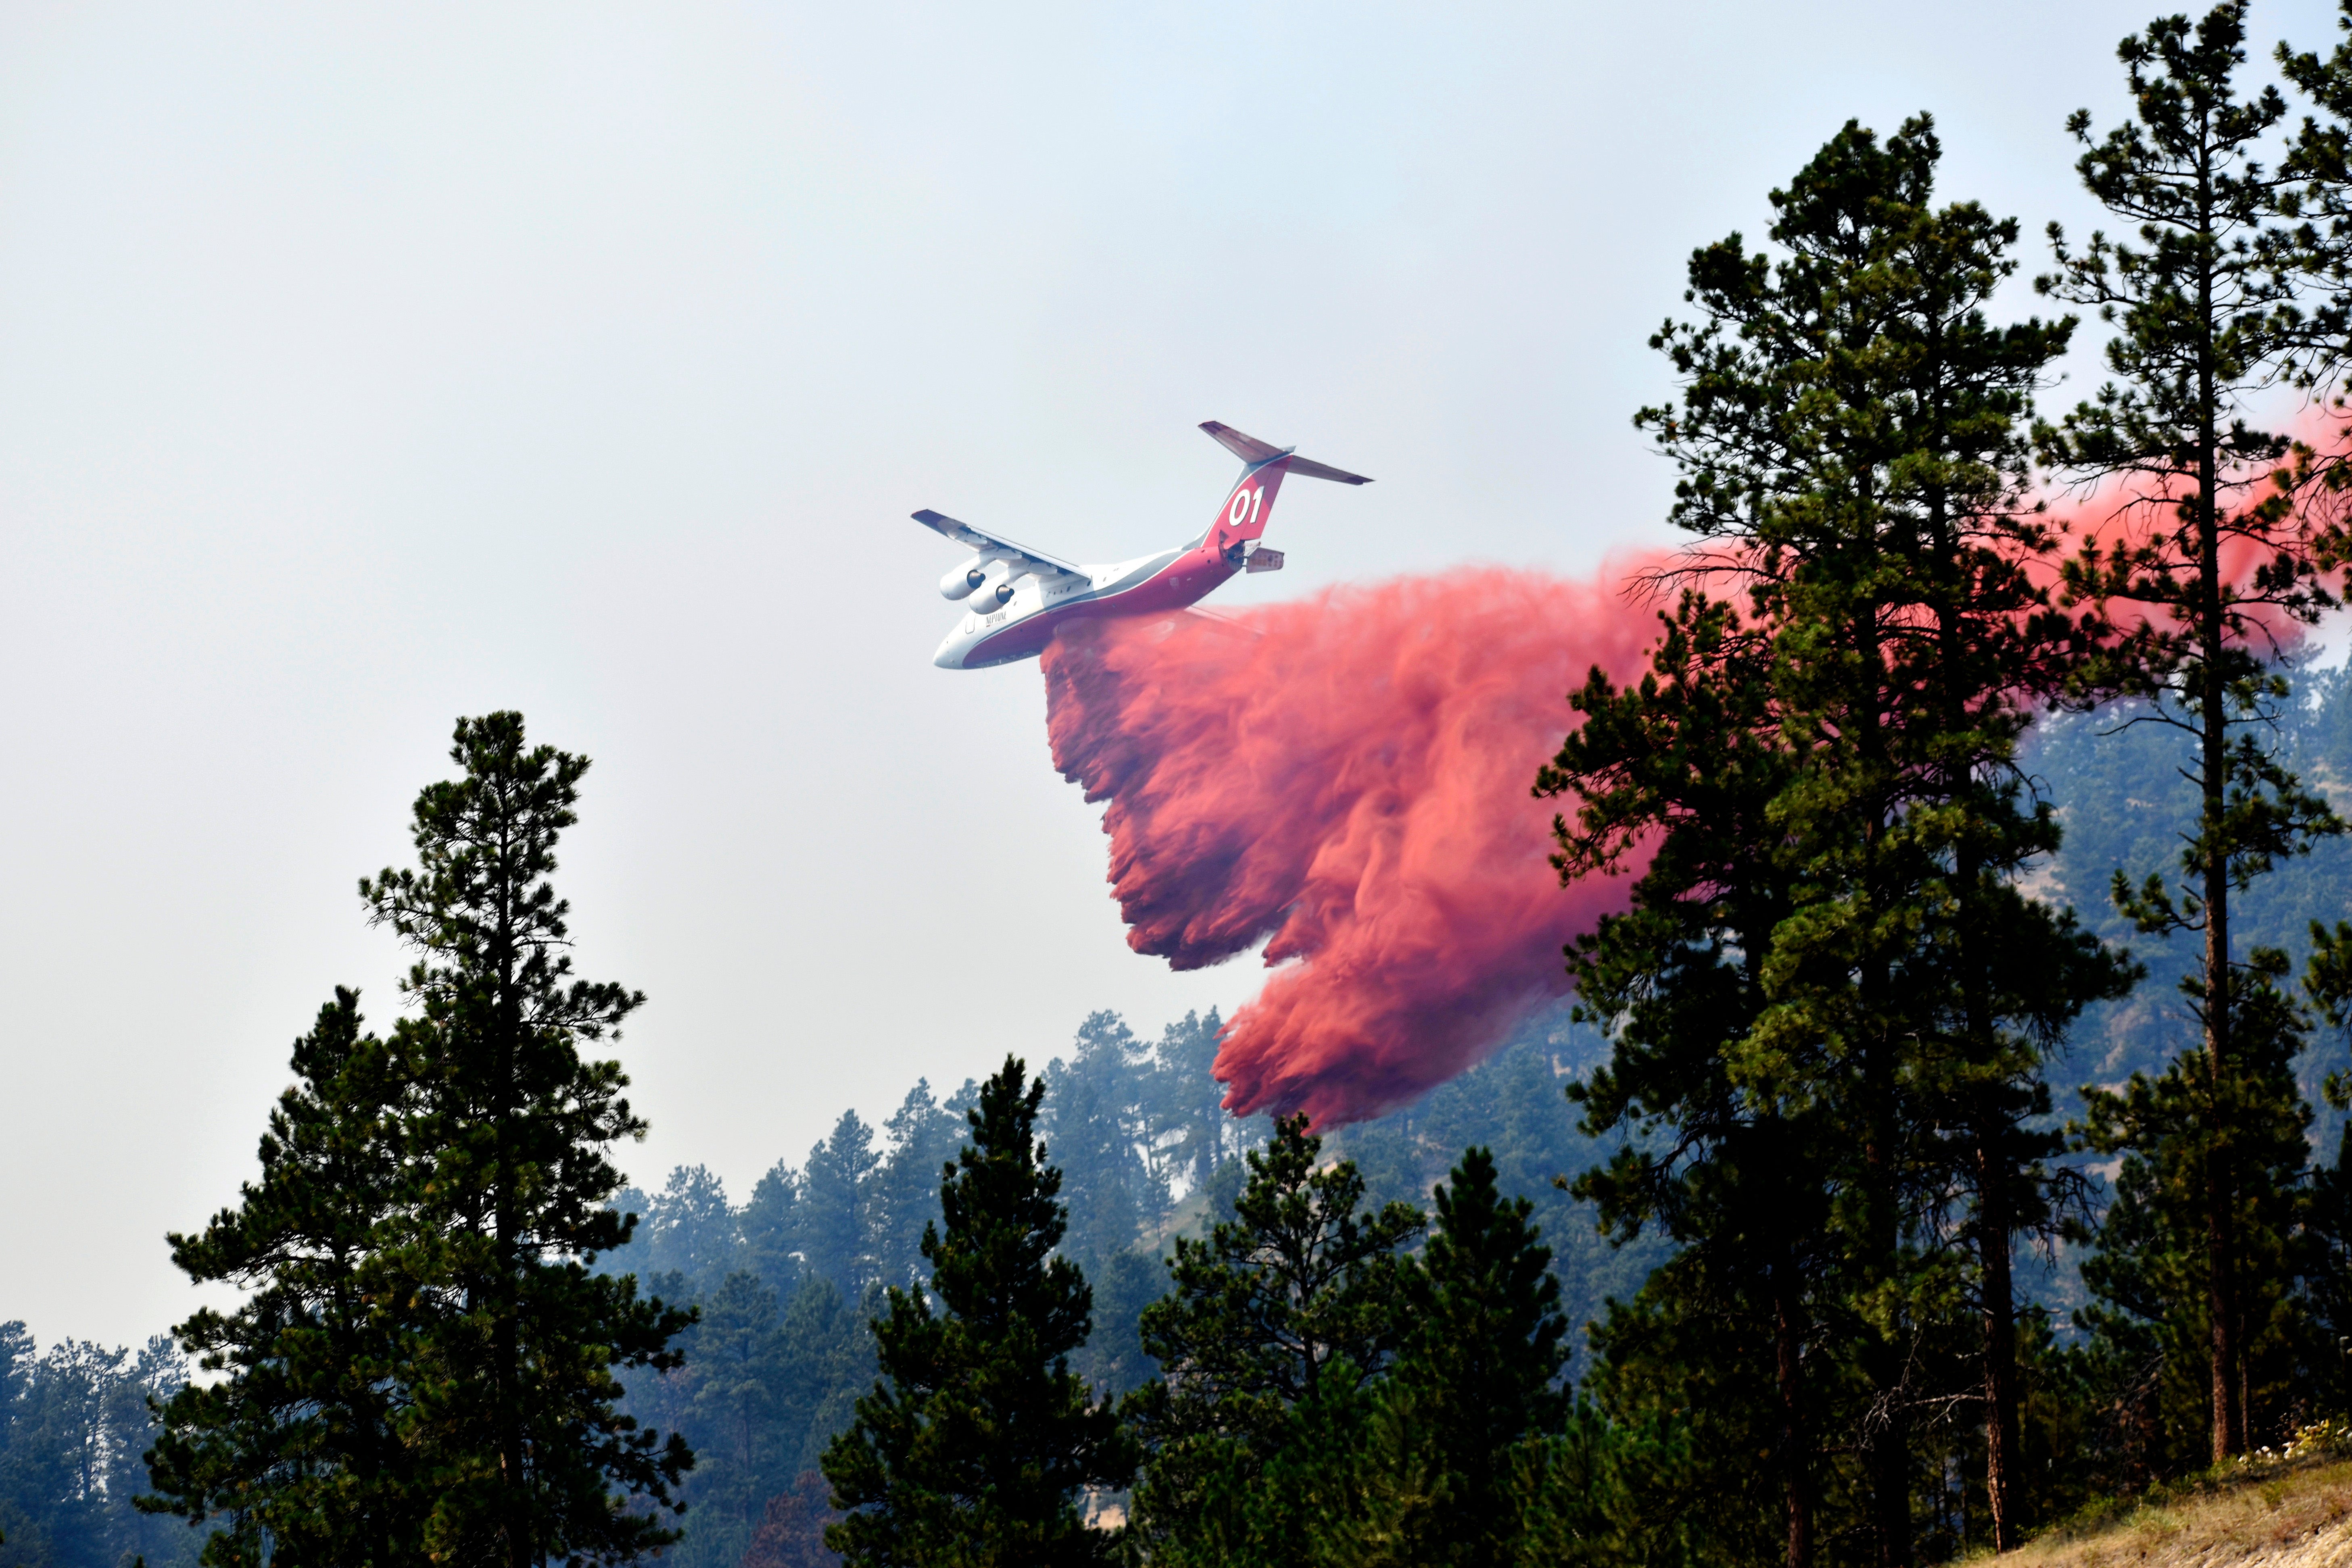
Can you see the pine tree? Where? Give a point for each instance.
(972, 1449)
(1125, 1284)
(690, 1228)
(2200, 308)
(734, 1394)
(1348, 1478)
(2148, 1271)
(1849, 434)
(504, 1125)
(2326, 1255)
(1300, 1300)
(1187, 1102)
(1478, 1371)
(771, 1228)
(2313, 258)
(303, 1446)
(425, 1365)
(1728, 1166)
(1095, 1127)
(836, 1205)
(1603, 1493)
(1912, 641)
(923, 1138)
(828, 1362)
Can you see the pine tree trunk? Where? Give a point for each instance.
(506, 1350)
(1886, 1442)
(1890, 1456)
(1993, 1226)
(1795, 1449)
(1888, 1446)
(1996, 1212)
(2229, 1432)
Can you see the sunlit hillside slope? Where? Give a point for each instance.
(2287, 1511)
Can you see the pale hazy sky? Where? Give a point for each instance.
(362, 368)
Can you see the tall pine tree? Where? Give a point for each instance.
(425, 1367)
(1478, 1371)
(1687, 764)
(2199, 303)
(504, 1140)
(1187, 1102)
(836, 1208)
(300, 1447)
(770, 1225)
(1298, 1301)
(1849, 435)
(1095, 1109)
(976, 1445)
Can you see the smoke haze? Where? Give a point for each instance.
(1348, 777)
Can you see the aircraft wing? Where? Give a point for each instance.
(972, 538)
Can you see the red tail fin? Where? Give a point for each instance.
(1252, 498)
(1245, 509)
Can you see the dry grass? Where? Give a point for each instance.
(2296, 1514)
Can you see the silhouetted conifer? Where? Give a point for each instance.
(301, 1448)
(425, 1369)
(1478, 1371)
(2202, 304)
(1829, 968)
(1300, 1300)
(978, 1443)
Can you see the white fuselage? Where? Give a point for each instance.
(1023, 625)
(1018, 596)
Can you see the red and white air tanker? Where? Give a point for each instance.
(1015, 597)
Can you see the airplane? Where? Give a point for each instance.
(1016, 597)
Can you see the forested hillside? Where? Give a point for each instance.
(2121, 797)
(786, 1278)
(74, 1428)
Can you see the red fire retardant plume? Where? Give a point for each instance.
(1352, 783)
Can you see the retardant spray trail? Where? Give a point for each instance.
(1348, 777)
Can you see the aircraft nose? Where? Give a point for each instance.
(949, 655)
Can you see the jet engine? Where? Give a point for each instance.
(996, 595)
(960, 581)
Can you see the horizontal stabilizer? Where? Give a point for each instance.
(1315, 471)
(1253, 451)
(1248, 448)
